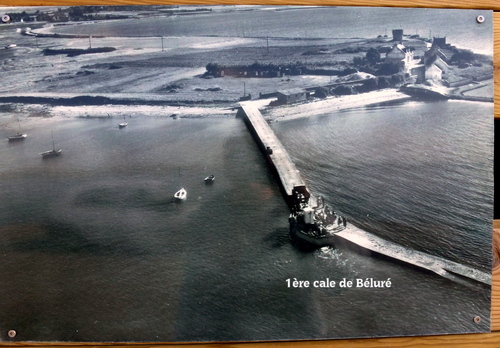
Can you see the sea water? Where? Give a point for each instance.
(309, 23)
(94, 248)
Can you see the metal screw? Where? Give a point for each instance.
(12, 333)
(5, 18)
(480, 19)
(477, 319)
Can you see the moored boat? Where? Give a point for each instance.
(123, 124)
(209, 179)
(51, 153)
(317, 225)
(18, 136)
(181, 194)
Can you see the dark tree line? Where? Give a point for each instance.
(372, 63)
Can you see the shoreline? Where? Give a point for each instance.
(31, 113)
(331, 104)
(146, 107)
(62, 108)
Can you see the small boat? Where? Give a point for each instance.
(181, 194)
(123, 124)
(209, 179)
(18, 136)
(51, 153)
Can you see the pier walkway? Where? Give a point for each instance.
(440, 93)
(290, 178)
(438, 265)
(288, 173)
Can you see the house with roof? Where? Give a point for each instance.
(433, 66)
(436, 67)
(400, 53)
(445, 50)
(291, 95)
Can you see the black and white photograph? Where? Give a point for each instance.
(244, 173)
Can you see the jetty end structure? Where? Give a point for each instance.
(302, 201)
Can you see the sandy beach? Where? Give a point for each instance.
(316, 107)
(28, 114)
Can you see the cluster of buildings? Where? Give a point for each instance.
(421, 62)
(425, 64)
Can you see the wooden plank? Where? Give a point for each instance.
(496, 60)
(483, 4)
(495, 284)
(472, 340)
(486, 340)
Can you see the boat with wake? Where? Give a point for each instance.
(19, 135)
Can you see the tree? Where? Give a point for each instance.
(75, 12)
(390, 68)
(463, 56)
(359, 61)
(212, 68)
(373, 56)
(397, 79)
(369, 85)
(342, 90)
(321, 92)
(383, 82)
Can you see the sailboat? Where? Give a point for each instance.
(123, 124)
(182, 193)
(53, 152)
(19, 135)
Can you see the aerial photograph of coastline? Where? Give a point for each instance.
(243, 173)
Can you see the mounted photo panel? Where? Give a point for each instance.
(244, 173)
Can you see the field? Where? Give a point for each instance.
(169, 70)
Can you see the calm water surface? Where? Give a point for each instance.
(458, 26)
(94, 249)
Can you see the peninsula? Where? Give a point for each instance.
(63, 66)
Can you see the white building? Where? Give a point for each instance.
(400, 53)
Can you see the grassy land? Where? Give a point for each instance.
(481, 89)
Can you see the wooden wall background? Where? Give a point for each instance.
(472, 340)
